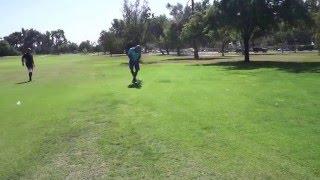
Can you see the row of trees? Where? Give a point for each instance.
(246, 23)
(50, 42)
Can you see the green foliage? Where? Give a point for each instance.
(112, 42)
(42, 43)
(180, 16)
(86, 47)
(249, 17)
(194, 29)
(132, 29)
(136, 17)
(316, 29)
(6, 49)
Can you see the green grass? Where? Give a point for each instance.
(211, 119)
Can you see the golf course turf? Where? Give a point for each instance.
(215, 118)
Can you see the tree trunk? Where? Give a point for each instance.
(145, 49)
(168, 52)
(195, 50)
(161, 51)
(178, 51)
(246, 40)
(222, 49)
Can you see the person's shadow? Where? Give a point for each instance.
(24, 82)
(136, 85)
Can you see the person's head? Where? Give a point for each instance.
(138, 49)
(28, 50)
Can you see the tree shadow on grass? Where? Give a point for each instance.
(292, 67)
(180, 59)
(201, 59)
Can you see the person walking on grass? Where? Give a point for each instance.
(27, 60)
(134, 55)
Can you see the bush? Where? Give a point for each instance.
(6, 49)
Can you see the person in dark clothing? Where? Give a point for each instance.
(27, 59)
(134, 55)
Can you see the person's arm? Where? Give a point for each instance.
(22, 60)
(130, 55)
(139, 57)
(33, 61)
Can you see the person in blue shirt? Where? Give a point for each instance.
(134, 55)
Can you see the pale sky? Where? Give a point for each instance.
(80, 19)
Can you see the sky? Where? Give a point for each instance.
(80, 19)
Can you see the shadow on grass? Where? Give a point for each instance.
(137, 85)
(292, 67)
(24, 82)
(179, 59)
(201, 59)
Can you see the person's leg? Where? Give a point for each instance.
(137, 67)
(30, 70)
(131, 66)
(136, 74)
(133, 75)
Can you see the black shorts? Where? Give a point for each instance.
(29, 67)
(134, 65)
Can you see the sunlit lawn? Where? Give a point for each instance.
(213, 118)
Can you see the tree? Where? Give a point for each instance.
(193, 32)
(136, 18)
(70, 47)
(110, 42)
(314, 9)
(6, 49)
(58, 40)
(46, 46)
(218, 30)
(27, 38)
(15, 40)
(180, 16)
(157, 29)
(316, 30)
(85, 47)
(42, 43)
(248, 17)
(224, 36)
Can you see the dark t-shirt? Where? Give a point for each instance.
(28, 59)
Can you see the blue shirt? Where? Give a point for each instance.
(133, 55)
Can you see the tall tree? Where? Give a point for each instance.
(136, 18)
(15, 40)
(6, 49)
(110, 42)
(180, 16)
(58, 39)
(217, 29)
(157, 28)
(86, 47)
(316, 29)
(193, 32)
(46, 43)
(247, 17)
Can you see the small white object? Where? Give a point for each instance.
(19, 103)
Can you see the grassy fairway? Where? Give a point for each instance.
(191, 119)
